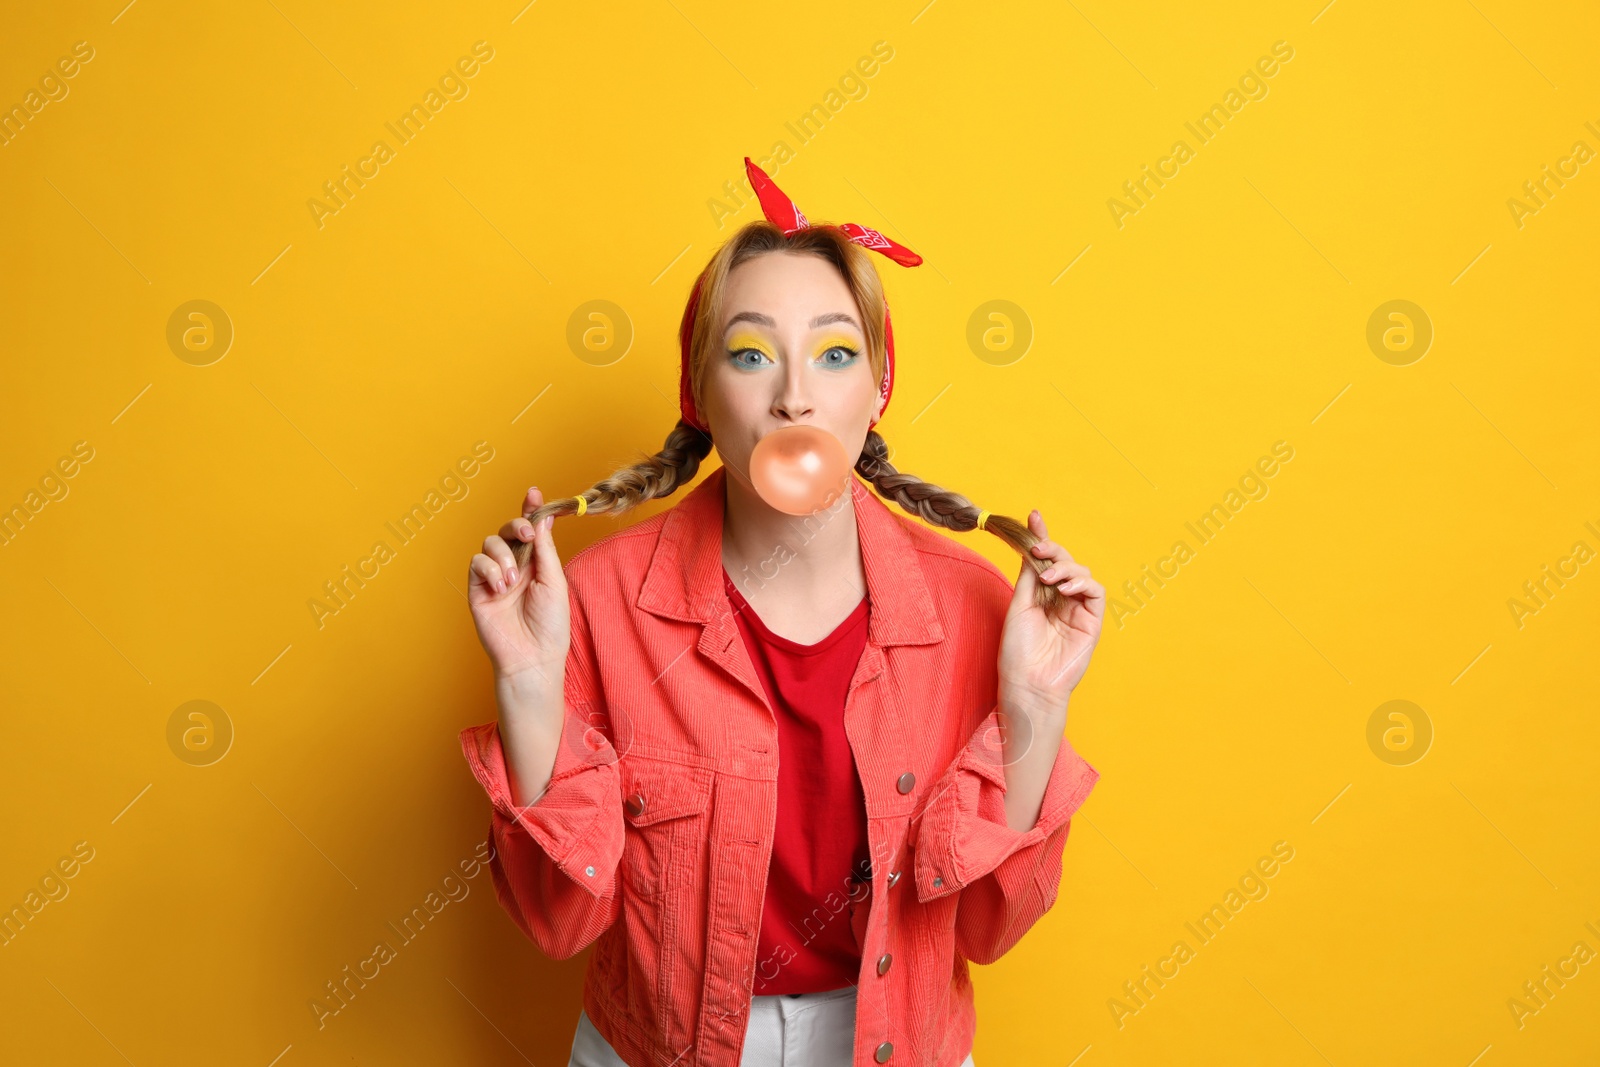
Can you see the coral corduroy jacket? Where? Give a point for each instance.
(653, 839)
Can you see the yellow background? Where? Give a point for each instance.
(432, 312)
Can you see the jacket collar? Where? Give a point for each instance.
(684, 580)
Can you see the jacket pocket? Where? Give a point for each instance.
(664, 812)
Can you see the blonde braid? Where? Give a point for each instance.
(941, 507)
(653, 476)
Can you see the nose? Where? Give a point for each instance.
(793, 401)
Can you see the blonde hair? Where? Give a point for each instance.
(679, 459)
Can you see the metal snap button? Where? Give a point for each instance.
(883, 962)
(906, 783)
(937, 882)
(589, 871)
(636, 805)
(894, 876)
(885, 1050)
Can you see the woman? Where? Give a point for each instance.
(788, 775)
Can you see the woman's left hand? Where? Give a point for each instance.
(1043, 654)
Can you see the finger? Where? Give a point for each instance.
(495, 547)
(1090, 593)
(1026, 585)
(1094, 599)
(517, 530)
(1060, 572)
(520, 533)
(546, 560)
(487, 573)
(1047, 548)
(1050, 552)
(1084, 586)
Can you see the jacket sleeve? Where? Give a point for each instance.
(555, 860)
(1007, 878)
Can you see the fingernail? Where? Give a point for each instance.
(511, 575)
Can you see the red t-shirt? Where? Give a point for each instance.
(820, 848)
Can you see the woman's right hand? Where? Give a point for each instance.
(522, 613)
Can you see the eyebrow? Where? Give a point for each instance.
(767, 320)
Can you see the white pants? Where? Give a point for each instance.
(808, 1030)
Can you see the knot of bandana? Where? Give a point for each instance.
(783, 213)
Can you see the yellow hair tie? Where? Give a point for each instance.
(982, 517)
(583, 505)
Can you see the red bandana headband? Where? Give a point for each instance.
(782, 213)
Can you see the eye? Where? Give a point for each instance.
(844, 353)
(736, 356)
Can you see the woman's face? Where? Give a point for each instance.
(790, 352)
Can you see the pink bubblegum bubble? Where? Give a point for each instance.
(800, 470)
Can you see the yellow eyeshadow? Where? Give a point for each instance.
(748, 340)
(835, 342)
